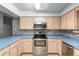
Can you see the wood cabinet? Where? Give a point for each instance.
(64, 49)
(13, 49)
(67, 50)
(63, 22)
(56, 22)
(20, 47)
(26, 22)
(55, 46)
(49, 22)
(4, 52)
(53, 22)
(27, 45)
(76, 52)
(69, 20)
(77, 16)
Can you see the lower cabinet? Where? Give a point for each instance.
(76, 52)
(13, 49)
(4, 52)
(54, 46)
(27, 45)
(67, 50)
(20, 47)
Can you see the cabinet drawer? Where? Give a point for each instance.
(27, 40)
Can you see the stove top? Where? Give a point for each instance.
(42, 36)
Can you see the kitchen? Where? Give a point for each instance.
(39, 29)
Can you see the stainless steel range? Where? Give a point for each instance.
(40, 47)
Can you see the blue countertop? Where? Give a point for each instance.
(5, 42)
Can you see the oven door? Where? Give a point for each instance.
(40, 47)
(40, 43)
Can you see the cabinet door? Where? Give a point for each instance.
(67, 50)
(77, 16)
(13, 49)
(23, 22)
(59, 47)
(76, 52)
(71, 23)
(27, 45)
(4, 52)
(26, 22)
(49, 22)
(63, 22)
(20, 47)
(52, 46)
(64, 49)
(56, 22)
(55, 46)
(29, 22)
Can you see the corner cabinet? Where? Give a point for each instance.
(53, 22)
(70, 20)
(26, 22)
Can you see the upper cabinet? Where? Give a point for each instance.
(77, 16)
(49, 22)
(69, 20)
(26, 22)
(63, 22)
(53, 22)
(56, 22)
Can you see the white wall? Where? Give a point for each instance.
(70, 7)
(10, 9)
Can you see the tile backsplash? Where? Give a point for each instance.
(26, 32)
(71, 33)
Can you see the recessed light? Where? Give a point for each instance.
(37, 6)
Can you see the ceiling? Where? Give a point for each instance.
(53, 7)
(28, 9)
